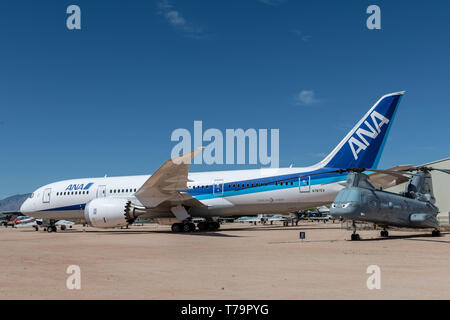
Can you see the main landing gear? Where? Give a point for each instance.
(183, 227)
(384, 233)
(190, 227)
(208, 226)
(51, 228)
(355, 236)
(436, 233)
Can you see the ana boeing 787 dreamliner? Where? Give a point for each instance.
(173, 195)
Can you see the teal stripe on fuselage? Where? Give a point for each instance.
(250, 190)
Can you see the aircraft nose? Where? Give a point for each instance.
(344, 210)
(25, 207)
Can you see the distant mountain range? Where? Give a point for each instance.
(13, 203)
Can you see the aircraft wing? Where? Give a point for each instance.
(65, 223)
(27, 224)
(4, 214)
(384, 180)
(163, 187)
(277, 219)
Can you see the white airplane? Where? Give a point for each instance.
(258, 219)
(174, 196)
(23, 220)
(36, 223)
(323, 210)
(278, 217)
(263, 218)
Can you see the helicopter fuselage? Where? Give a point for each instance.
(384, 208)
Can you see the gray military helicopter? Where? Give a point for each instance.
(361, 201)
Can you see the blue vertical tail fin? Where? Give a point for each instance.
(363, 145)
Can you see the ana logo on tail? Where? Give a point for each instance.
(362, 142)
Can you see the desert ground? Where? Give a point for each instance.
(240, 261)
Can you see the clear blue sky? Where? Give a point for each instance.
(105, 99)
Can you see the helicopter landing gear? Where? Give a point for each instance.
(436, 233)
(355, 236)
(384, 233)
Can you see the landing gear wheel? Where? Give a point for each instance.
(436, 233)
(177, 227)
(384, 233)
(36, 228)
(51, 229)
(202, 226)
(188, 227)
(63, 227)
(213, 225)
(355, 237)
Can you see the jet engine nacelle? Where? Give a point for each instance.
(107, 212)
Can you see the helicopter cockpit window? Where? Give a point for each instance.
(353, 196)
(346, 196)
(338, 198)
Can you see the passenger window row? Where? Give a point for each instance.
(248, 185)
(122, 190)
(68, 193)
(251, 185)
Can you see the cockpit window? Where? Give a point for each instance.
(32, 195)
(346, 195)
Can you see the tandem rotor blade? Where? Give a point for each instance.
(326, 172)
(447, 171)
(397, 173)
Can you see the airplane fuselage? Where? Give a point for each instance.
(223, 193)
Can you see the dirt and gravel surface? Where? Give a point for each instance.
(240, 261)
